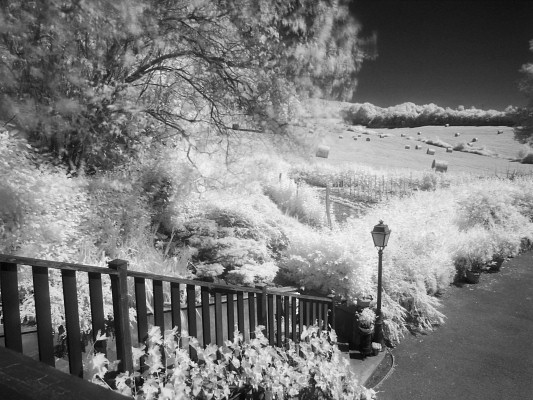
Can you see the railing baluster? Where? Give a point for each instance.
(72, 322)
(10, 306)
(159, 312)
(231, 316)
(301, 311)
(119, 290)
(240, 311)
(286, 314)
(294, 334)
(262, 309)
(45, 332)
(308, 320)
(142, 310)
(97, 309)
(206, 316)
(270, 313)
(279, 314)
(313, 312)
(191, 318)
(325, 308)
(175, 304)
(219, 332)
(251, 314)
(320, 320)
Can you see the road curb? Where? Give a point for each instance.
(386, 375)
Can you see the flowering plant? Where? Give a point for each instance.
(366, 317)
(313, 368)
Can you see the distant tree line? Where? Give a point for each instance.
(524, 129)
(412, 115)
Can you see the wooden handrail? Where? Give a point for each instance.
(35, 262)
(282, 312)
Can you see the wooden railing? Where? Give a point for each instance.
(210, 312)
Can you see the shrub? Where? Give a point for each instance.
(429, 182)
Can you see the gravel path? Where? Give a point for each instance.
(483, 351)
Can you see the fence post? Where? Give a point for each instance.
(328, 205)
(119, 289)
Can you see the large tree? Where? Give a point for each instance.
(524, 129)
(95, 80)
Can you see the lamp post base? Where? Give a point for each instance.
(378, 331)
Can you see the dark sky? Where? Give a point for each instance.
(445, 52)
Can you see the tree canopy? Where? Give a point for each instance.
(96, 80)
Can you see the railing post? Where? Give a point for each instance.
(119, 289)
(10, 306)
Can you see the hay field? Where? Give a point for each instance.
(390, 153)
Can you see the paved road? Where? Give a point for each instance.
(483, 351)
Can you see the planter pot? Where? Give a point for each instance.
(364, 302)
(365, 340)
(472, 277)
(365, 330)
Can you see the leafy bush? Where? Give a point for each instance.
(44, 211)
(436, 235)
(313, 369)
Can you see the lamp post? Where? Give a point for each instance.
(380, 236)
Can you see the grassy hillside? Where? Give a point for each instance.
(388, 152)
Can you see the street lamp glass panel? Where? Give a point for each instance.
(380, 235)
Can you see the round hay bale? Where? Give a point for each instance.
(440, 166)
(457, 134)
(354, 138)
(430, 152)
(359, 135)
(419, 133)
(418, 147)
(474, 140)
(447, 125)
(407, 146)
(322, 151)
(368, 139)
(500, 132)
(449, 150)
(402, 135)
(340, 136)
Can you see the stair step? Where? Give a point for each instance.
(344, 347)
